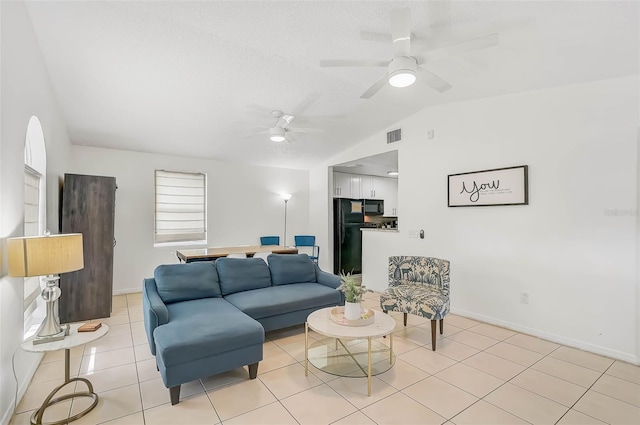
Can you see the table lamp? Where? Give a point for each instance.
(47, 256)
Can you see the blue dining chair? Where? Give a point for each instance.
(269, 240)
(310, 242)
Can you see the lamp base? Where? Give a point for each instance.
(50, 338)
(64, 331)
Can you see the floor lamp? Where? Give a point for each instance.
(46, 256)
(285, 197)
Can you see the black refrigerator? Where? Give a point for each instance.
(348, 219)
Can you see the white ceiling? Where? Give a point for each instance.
(374, 165)
(194, 78)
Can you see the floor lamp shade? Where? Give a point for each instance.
(45, 255)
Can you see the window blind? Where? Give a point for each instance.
(180, 207)
(31, 227)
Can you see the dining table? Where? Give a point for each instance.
(209, 254)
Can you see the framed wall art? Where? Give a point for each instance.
(500, 186)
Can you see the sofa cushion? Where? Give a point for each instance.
(281, 299)
(179, 282)
(203, 328)
(291, 268)
(242, 274)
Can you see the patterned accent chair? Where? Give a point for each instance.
(420, 286)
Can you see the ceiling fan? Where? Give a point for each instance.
(281, 131)
(404, 68)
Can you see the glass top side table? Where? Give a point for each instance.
(74, 339)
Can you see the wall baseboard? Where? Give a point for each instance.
(592, 348)
(127, 291)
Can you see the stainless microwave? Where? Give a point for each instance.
(373, 207)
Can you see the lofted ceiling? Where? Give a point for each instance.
(197, 78)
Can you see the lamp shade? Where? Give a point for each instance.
(44, 255)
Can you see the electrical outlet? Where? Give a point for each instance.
(431, 134)
(413, 233)
(524, 298)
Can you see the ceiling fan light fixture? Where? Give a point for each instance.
(402, 78)
(276, 134)
(402, 71)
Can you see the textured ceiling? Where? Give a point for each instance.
(195, 78)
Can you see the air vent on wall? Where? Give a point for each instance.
(394, 136)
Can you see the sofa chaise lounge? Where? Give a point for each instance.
(205, 318)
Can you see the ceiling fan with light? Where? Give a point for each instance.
(404, 68)
(281, 131)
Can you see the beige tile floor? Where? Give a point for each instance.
(480, 374)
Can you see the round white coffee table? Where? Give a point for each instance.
(346, 358)
(74, 339)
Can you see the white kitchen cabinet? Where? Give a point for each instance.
(346, 185)
(341, 185)
(367, 185)
(355, 182)
(390, 187)
(357, 186)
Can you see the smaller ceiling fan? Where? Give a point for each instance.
(281, 131)
(404, 68)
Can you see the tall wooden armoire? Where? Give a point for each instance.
(88, 207)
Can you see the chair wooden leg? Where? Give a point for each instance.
(385, 312)
(174, 394)
(441, 326)
(433, 335)
(253, 370)
(405, 319)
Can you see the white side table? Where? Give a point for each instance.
(74, 339)
(320, 321)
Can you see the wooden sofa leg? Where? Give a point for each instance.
(433, 335)
(405, 319)
(441, 326)
(253, 370)
(174, 393)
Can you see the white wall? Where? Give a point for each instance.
(25, 91)
(243, 204)
(575, 258)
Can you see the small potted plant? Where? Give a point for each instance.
(353, 292)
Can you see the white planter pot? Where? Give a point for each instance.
(352, 311)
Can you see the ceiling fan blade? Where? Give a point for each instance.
(383, 37)
(257, 132)
(432, 80)
(305, 130)
(288, 137)
(401, 31)
(455, 49)
(352, 62)
(306, 104)
(375, 87)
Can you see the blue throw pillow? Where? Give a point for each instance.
(242, 274)
(291, 268)
(180, 282)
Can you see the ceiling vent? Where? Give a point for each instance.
(394, 136)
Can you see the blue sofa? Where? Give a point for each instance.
(204, 318)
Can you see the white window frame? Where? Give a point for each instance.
(35, 161)
(180, 208)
